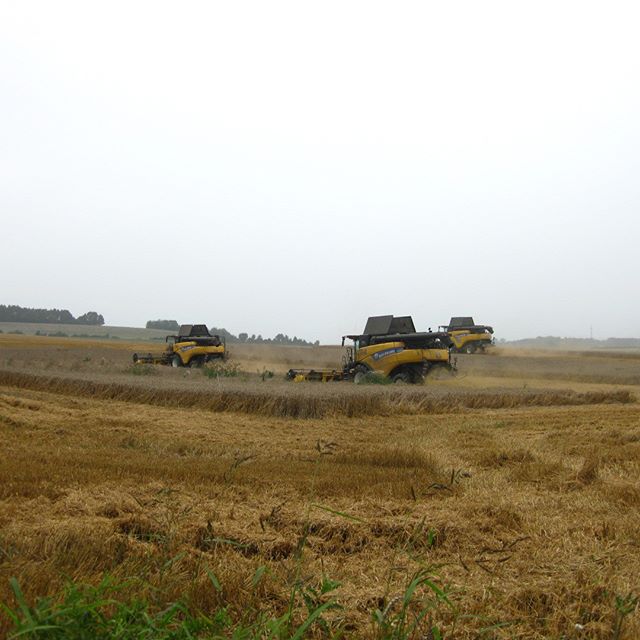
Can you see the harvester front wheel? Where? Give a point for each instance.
(175, 361)
(402, 377)
(359, 375)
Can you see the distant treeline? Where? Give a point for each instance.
(258, 339)
(14, 313)
(165, 325)
(172, 325)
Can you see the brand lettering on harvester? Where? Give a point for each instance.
(386, 352)
(187, 348)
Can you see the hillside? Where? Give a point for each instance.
(573, 344)
(71, 330)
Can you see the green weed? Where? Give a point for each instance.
(625, 606)
(221, 370)
(410, 614)
(265, 374)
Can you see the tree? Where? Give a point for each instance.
(165, 325)
(92, 318)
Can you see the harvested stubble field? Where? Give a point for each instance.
(520, 502)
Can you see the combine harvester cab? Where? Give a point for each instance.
(389, 346)
(193, 346)
(467, 336)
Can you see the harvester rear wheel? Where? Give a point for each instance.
(196, 362)
(469, 348)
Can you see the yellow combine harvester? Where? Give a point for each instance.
(390, 347)
(192, 347)
(467, 336)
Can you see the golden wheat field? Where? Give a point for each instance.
(514, 486)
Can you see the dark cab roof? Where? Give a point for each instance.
(383, 325)
(466, 322)
(193, 331)
(461, 321)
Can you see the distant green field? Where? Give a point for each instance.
(106, 332)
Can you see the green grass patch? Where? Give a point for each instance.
(109, 611)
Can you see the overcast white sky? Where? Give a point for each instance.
(296, 167)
